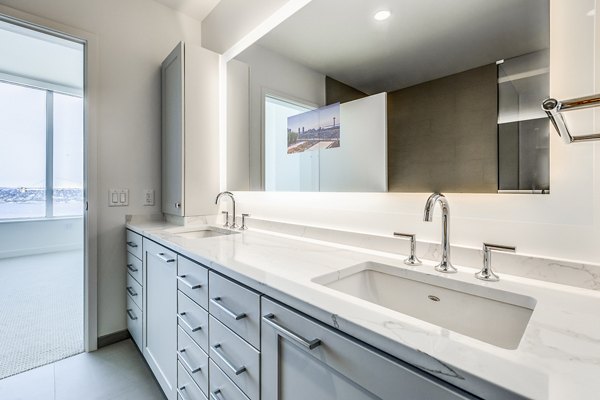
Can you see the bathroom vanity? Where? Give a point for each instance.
(257, 314)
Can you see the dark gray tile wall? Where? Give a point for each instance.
(442, 134)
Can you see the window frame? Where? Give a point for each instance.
(50, 90)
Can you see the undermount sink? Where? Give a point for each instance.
(491, 315)
(200, 232)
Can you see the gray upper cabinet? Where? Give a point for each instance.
(302, 359)
(190, 131)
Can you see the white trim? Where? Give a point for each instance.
(91, 66)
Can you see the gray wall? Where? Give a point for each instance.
(339, 92)
(442, 134)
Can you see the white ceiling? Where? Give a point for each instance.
(421, 41)
(197, 9)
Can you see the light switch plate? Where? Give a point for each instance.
(118, 197)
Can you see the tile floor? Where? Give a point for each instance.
(116, 372)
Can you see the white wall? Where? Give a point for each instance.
(273, 74)
(134, 36)
(38, 236)
(564, 224)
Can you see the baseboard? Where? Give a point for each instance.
(113, 338)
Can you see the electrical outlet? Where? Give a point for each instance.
(149, 197)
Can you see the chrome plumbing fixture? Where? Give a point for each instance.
(412, 259)
(445, 265)
(233, 225)
(486, 273)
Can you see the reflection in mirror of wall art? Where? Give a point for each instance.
(314, 130)
(463, 83)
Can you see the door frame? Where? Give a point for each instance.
(90, 216)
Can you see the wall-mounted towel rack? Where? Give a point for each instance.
(553, 109)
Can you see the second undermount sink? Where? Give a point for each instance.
(200, 232)
(491, 315)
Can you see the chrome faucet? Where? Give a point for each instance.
(445, 265)
(233, 225)
(486, 273)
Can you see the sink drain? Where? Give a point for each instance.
(433, 298)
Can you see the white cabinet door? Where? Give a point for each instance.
(160, 334)
(302, 359)
(173, 126)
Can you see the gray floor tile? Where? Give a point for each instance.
(115, 372)
(36, 384)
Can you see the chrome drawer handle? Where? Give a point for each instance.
(131, 291)
(132, 244)
(184, 322)
(226, 310)
(213, 395)
(186, 282)
(180, 392)
(216, 348)
(309, 344)
(187, 363)
(165, 258)
(132, 268)
(131, 314)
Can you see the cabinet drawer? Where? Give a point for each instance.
(134, 244)
(134, 322)
(236, 307)
(192, 279)
(235, 357)
(193, 359)
(221, 387)
(300, 353)
(134, 291)
(135, 267)
(193, 319)
(186, 388)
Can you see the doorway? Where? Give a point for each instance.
(42, 197)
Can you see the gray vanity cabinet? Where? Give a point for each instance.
(160, 322)
(303, 359)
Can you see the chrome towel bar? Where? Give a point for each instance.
(553, 109)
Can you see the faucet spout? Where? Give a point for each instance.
(437, 198)
(230, 195)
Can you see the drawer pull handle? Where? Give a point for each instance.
(187, 363)
(180, 392)
(309, 344)
(237, 317)
(132, 244)
(132, 268)
(213, 395)
(165, 258)
(131, 314)
(131, 291)
(217, 349)
(186, 282)
(181, 318)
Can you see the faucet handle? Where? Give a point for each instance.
(244, 227)
(226, 224)
(412, 259)
(486, 273)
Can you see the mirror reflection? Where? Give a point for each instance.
(399, 96)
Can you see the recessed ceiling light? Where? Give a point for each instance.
(591, 13)
(382, 15)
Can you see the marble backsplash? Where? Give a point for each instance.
(581, 275)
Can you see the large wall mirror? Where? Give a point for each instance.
(426, 96)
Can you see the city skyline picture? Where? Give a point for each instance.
(314, 130)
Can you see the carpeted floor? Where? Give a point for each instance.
(41, 310)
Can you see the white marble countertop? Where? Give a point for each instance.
(558, 357)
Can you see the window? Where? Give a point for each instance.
(41, 153)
